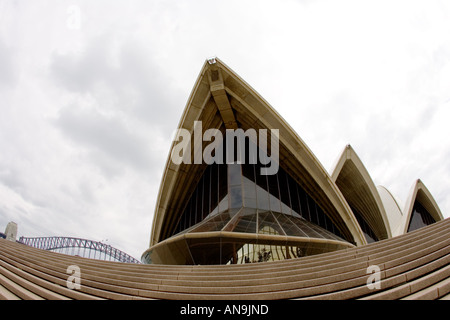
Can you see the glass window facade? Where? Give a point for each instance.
(277, 236)
(366, 229)
(234, 186)
(420, 217)
(256, 218)
(209, 197)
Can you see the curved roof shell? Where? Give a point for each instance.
(355, 183)
(419, 193)
(220, 98)
(393, 210)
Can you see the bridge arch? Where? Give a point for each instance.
(85, 245)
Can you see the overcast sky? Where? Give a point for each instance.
(90, 92)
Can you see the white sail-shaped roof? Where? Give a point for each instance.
(221, 98)
(359, 190)
(419, 193)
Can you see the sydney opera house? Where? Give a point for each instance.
(228, 212)
(232, 229)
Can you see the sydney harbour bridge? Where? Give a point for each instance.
(80, 247)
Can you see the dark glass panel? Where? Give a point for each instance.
(320, 217)
(206, 193)
(366, 229)
(253, 253)
(275, 192)
(211, 188)
(285, 209)
(205, 251)
(284, 193)
(223, 205)
(249, 189)
(420, 217)
(306, 227)
(327, 234)
(187, 216)
(251, 152)
(268, 224)
(289, 226)
(223, 187)
(246, 222)
(234, 174)
(262, 197)
(223, 184)
(248, 171)
(303, 198)
(235, 196)
(293, 195)
(329, 224)
(310, 207)
(325, 221)
(233, 186)
(317, 229)
(214, 191)
(214, 223)
(261, 180)
(198, 204)
(282, 187)
(235, 251)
